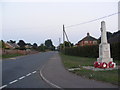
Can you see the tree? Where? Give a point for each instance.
(22, 44)
(35, 46)
(41, 47)
(68, 44)
(11, 41)
(28, 44)
(2, 44)
(60, 47)
(49, 44)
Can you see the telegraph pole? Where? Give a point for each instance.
(59, 44)
(63, 37)
(59, 41)
(67, 38)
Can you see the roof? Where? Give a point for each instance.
(88, 38)
(14, 45)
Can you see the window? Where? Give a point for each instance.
(94, 42)
(85, 42)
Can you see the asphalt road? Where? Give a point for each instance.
(23, 72)
(56, 75)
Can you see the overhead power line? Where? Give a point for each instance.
(93, 20)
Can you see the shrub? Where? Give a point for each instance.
(92, 51)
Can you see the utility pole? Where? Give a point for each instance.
(65, 34)
(59, 44)
(59, 41)
(67, 38)
(63, 37)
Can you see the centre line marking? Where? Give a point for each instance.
(28, 74)
(17, 80)
(3, 86)
(13, 81)
(21, 77)
(34, 72)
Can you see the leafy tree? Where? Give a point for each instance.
(53, 48)
(42, 47)
(35, 46)
(2, 44)
(11, 41)
(28, 44)
(72, 44)
(68, 44)
(22, 44)
(60, 47)
(49, 44)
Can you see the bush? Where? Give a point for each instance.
(92, 51)
(115, 51)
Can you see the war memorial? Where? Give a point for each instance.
(104, 60)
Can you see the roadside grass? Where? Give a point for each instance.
(10, 55)
(110, 76)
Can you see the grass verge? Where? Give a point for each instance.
(10, 55)
(110, 76)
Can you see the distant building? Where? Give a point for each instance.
(28, 46)
(88, 40)
(9, 45)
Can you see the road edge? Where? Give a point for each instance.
(47, 81)
(19, 56)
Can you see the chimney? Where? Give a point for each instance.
(88, 34)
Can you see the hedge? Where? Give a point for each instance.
(92, 51)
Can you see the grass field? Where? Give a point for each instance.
(110, 76)
(10, 55)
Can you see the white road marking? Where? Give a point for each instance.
(17, 80)
(21, 77)
(28, 74)
(34, 72)
(3, 86)
(13, 81)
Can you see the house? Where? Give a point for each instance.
(28, 46)
(9, 45)
(88, 40)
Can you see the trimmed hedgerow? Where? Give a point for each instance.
(92, 51)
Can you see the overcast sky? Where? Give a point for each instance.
(34, 22)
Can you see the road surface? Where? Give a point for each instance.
(26, 72)
(23, 72)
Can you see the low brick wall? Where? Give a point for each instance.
(24, 52)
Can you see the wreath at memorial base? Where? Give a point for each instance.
(104, 65)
